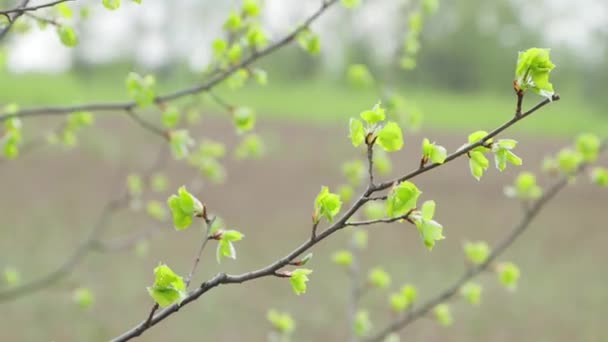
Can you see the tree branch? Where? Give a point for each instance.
(271, 269)
(452, 290)
(22, 9)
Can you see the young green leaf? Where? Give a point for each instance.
(356, 132)
(168, 287)
(569, 160)
(471, 292)
(83, 297)
(170, 117)
(402, 198)
(225, 248)
(588, 145)
(532, 71)
(342, 258)
(430, 232)
(476, 252)
(390, 137)
(398, 302)
(362, 324)
(350, 3)
(508, 275)
(525, 187)
(180, 143)
(434, 153)
(281, 321)
(599, 176)
(183, 207)
(135, 185)
(346, 192)
(478, 163)
(409, 292)
(251, 146)
(443, 315)
(374, 115)
(141, 89)
(298, 280)
(11, 276)
(233, 21)
(67, 35)
(309, 41)
(327, 204)
(502, 153)
(244, 119)
(64, 10)
(111, 4)
(359, 75)
(379, 278)
(251, 8)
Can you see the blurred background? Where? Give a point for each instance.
(462, 83)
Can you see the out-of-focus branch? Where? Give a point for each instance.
(525, 222)
(11, 20)
(24, 8)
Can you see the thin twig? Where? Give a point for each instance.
(370, 164)
(11, 21)
(197, 259)
(147, 125)
(23, 9)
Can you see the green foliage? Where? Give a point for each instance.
(508, 275)
(429, 229)
(443, 315)
(170, 117)
(525, 187)
(402, 300)
(251, 8)
(478, 163)
(233, 21)
(234, 53)
(476, 252)
(135, 185)
(375, 115)
(402, 198)
(359, 75)
(281, 321)
(342, 258)
(183, 207)
(256, 37)
(225, 246)
(532, 71)
(356, 132)
(354, 171)
(237, 79)
(430, 6)
(63, 10)
(409, 292)
(568, 160)
(11, 276)
(67, 35)
(502, 153)
(141, 89)
(159, 182)
(471, 292)
(260, 76)
(309, 41)
(168, 287)
(327, 204)
(599, 176)
(350, 3)
(244, 119)
(362, 324)
(298, 279)
(434, 153)
(12, 137)
(111, 4)
(251, 146)
(180, 143)
(83, 297)
(156, 210)
(379, 278)
(390, 137)
(346, 192)
(75, 122)
(588, 145)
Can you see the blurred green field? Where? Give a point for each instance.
(325, 101)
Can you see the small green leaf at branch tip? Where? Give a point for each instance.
(435, 153)
(342, 258)
(170, 117)
(429, 229)
(362, 324)
(183, 207)
(309, 41)
(305, 259)
(374, 115)
(298, 279)
(390, 137)
(525, 187)
(233, 21)
(359, 76)
(356, 132)
(256, 38)
(443, 315)
(83, 297)
(508, 275)
(281, 321)
(409, 292)
(67, 35)
(11, 276)
(478, 163)
(402, 198)
(225, 248)
(379, 278)
(502, 153)
(244, 119)
(251, 8)
(168, 287)
(250, 147)
(588, 145)
(471, 292)
(327, 204)
(111, 4)
(141, 89)
(64, 10)
(350, 3)
(532, 72)
(599, 176)
(476, 252)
